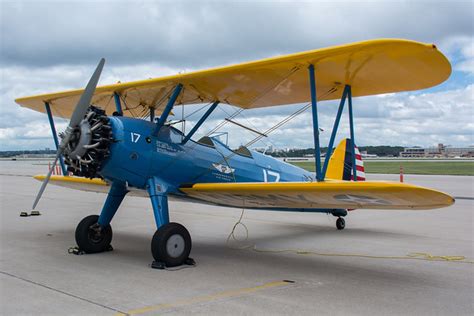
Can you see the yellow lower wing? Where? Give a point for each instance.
(78, 183)
(328, 194)
(89, 185)
(293, 195)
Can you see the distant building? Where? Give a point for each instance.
(364, 154)
(298, 159)
(459, 151)
(413, 152)
(441, 151)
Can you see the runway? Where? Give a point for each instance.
(292, 263)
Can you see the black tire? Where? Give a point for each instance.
(88, 239)
(171, 244)
(340, 223)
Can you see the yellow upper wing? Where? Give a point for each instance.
(325, 195)
(370, 67)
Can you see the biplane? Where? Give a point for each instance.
(106, 148)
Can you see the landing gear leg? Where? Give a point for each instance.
(171, 243)
(94, 233)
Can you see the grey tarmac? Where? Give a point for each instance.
(353, 272)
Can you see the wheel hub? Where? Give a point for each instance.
(95, 234)
(175, 246)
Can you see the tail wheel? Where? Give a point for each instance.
(340, 223)
(171, 244)
(91, 237)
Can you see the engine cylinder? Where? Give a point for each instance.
(89, 145)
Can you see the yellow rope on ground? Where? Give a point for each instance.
(234, 238)
(410, 256)
(241, 244)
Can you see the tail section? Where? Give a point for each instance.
(359, 166)
(340, 163)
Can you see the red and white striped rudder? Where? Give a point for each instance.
(359, 166)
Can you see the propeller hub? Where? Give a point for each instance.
(80, 138)
(87, 145)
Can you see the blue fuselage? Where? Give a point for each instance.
(137, 154)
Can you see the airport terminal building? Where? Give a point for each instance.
(441, 151)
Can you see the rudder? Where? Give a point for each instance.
(340, 163)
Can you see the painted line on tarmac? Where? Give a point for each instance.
(208, 298)
(15, 175)
(63, 292)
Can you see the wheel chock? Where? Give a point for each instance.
(158, 265)
(32, 213)
(190, 262)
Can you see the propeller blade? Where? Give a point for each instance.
(76, 118)
(46, 180)
(86, 97)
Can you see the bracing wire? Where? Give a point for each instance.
(240, 110)
(198, 110)
(279, 124)
(267, 132)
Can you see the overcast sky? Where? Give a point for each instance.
(48, 46)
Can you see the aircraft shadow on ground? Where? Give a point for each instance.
(134, 247)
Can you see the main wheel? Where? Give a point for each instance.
(171, 244)
(340, 223)
(91, 237)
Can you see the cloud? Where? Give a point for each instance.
(461, 49)
(51, 46)
(398, 119)
(466, 63)
(204, 33)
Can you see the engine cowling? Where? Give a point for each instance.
(89, 145)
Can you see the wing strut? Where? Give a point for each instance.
(334, 129)
(314, 108)
(55, 136)
(118, 104)
(199, 123)
(169, 106)
(351, 126)
(347, 94)
(152, 114)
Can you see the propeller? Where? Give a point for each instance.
(77, 116)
